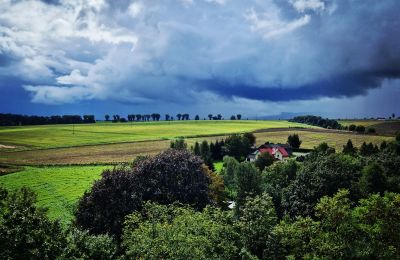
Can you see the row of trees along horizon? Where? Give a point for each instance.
(167, 117)
(331, 205)
(17, 119)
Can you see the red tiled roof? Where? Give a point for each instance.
(272, 151)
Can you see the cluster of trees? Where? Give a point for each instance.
(317, 121)
(236, 117)
(360, 129)
(331, 206)
(237, 146)
(15, 120)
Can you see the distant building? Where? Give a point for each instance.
(278, 151)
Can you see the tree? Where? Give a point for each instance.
(82, 245)
(167, 117)
(371, 130)
(233, 118)
(219, 117)
(360, 129)
(352, 127)
(248, 181)
(322, 174)
(210, 116)
(294, 141)
(239, 116)
(196, 149)
(264, 160)
(179, 116)
(107, 117)
(174, 175)
(257, 220)
(178, 144)
(237, 146)
(349, 148)
(197, 117)
(251, 137)
(179, 232)
(228, 172)
(25, 230)
(373, 179)
(205, 154)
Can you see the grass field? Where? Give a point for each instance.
(126, 152)
(50, 136)
(58, 188)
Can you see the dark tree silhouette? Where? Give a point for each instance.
(107, 117)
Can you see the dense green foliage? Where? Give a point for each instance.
(174, 175)
(161, 232)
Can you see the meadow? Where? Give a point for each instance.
(59, 165)
(57, 136)
(57, 188)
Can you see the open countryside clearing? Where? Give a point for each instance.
(52, 136)
(59, 165)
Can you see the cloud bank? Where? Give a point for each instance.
(184, 51)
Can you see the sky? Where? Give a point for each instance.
(258, 58)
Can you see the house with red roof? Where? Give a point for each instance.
(278, 151)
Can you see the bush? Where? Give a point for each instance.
(25, 231)
(174, 175)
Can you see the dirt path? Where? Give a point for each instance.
(6, 146)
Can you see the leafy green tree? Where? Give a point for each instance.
(248, 181)
(251, 137)
(179, 232)
(324, 148)
(349, 148)
(237, 146)
(107, 117)
(264, 160)
(82, 245)
(25, 230)
(257, 220)
(239, 116)
(276, 179)
(228, 172)
(197, 117)
(294, 141)
(320, 175)
(373, 179)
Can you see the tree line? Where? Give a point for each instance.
(16, 119)
(332, 205)
(167, 117)
(317, 121)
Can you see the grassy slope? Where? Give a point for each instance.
(50, 136)
(58, 188)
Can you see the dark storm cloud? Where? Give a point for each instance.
(143, 51)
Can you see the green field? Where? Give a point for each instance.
(50, 136)
(58, 188)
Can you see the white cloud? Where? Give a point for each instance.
(305, 5)
(135, 9)
(270, 24)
